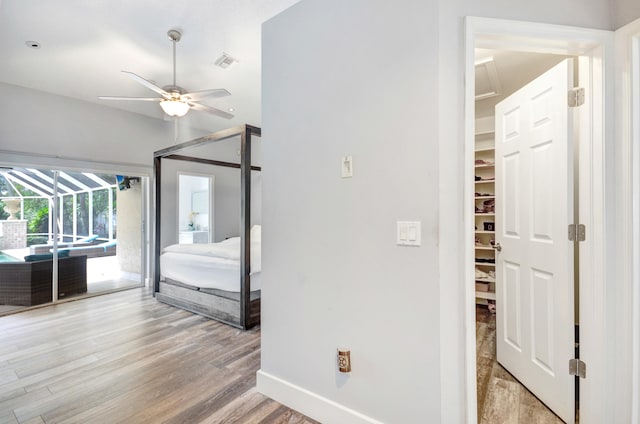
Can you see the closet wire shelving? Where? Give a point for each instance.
(484, 201)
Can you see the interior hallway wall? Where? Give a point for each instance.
(317, 105)
(226, 189)
(34, 122)
(129, 229)
(352, 78)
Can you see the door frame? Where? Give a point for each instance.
(627, 43)
(35, 160)
(595, 48)
(210, 188)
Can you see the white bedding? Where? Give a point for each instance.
(215, 265)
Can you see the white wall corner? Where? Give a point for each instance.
(308, 403)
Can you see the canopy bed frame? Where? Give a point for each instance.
(239, 309)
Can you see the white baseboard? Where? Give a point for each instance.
(308, 403)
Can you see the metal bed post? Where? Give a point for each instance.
(157, 171)
(245, 229)
(245, 132)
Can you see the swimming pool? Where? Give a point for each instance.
(8, 258)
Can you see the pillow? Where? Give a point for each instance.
(45, 256)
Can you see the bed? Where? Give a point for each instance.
(218, 280)
(211, 266)
(205, 278)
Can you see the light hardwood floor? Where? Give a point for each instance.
(501, 398)
(126, 358)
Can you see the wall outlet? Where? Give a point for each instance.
(344, 360)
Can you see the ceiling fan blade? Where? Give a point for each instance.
(216, 92)
(212, 110)
(148, 84)
(140, 99)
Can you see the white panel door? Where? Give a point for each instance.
(534, 269)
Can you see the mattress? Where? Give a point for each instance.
(204, 271)
(210, 266)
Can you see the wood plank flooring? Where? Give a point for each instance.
(501, 398)
(126, 358)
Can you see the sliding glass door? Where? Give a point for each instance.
(101, 216)
(81, 230)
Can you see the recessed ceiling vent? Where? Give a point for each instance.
(225, 61)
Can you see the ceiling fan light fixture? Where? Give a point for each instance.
(175, 100)
(174, 107)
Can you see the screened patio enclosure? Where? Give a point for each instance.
(86, 203)
(59, 235)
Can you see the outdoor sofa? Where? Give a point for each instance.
(92, 251)
(30, 283)
(46, 248)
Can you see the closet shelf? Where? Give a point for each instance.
(484, 247)
(484, 280)
(486, 295)
(484, 210)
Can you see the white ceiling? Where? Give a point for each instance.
(86, 43)
(514, 69)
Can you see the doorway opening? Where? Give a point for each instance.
(505, 76)
(497, 36)
(195, 208)
(68, 234)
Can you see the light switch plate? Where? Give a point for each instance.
(347, 167)
(409, 233)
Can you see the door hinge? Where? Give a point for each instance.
(577, 232)
(577, 368)
(576, 97)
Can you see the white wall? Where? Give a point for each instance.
(226, 189)
(351, 78)
(129, 231)
(382, 81)
(39, 123)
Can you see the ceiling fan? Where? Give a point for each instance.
(175, 100)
